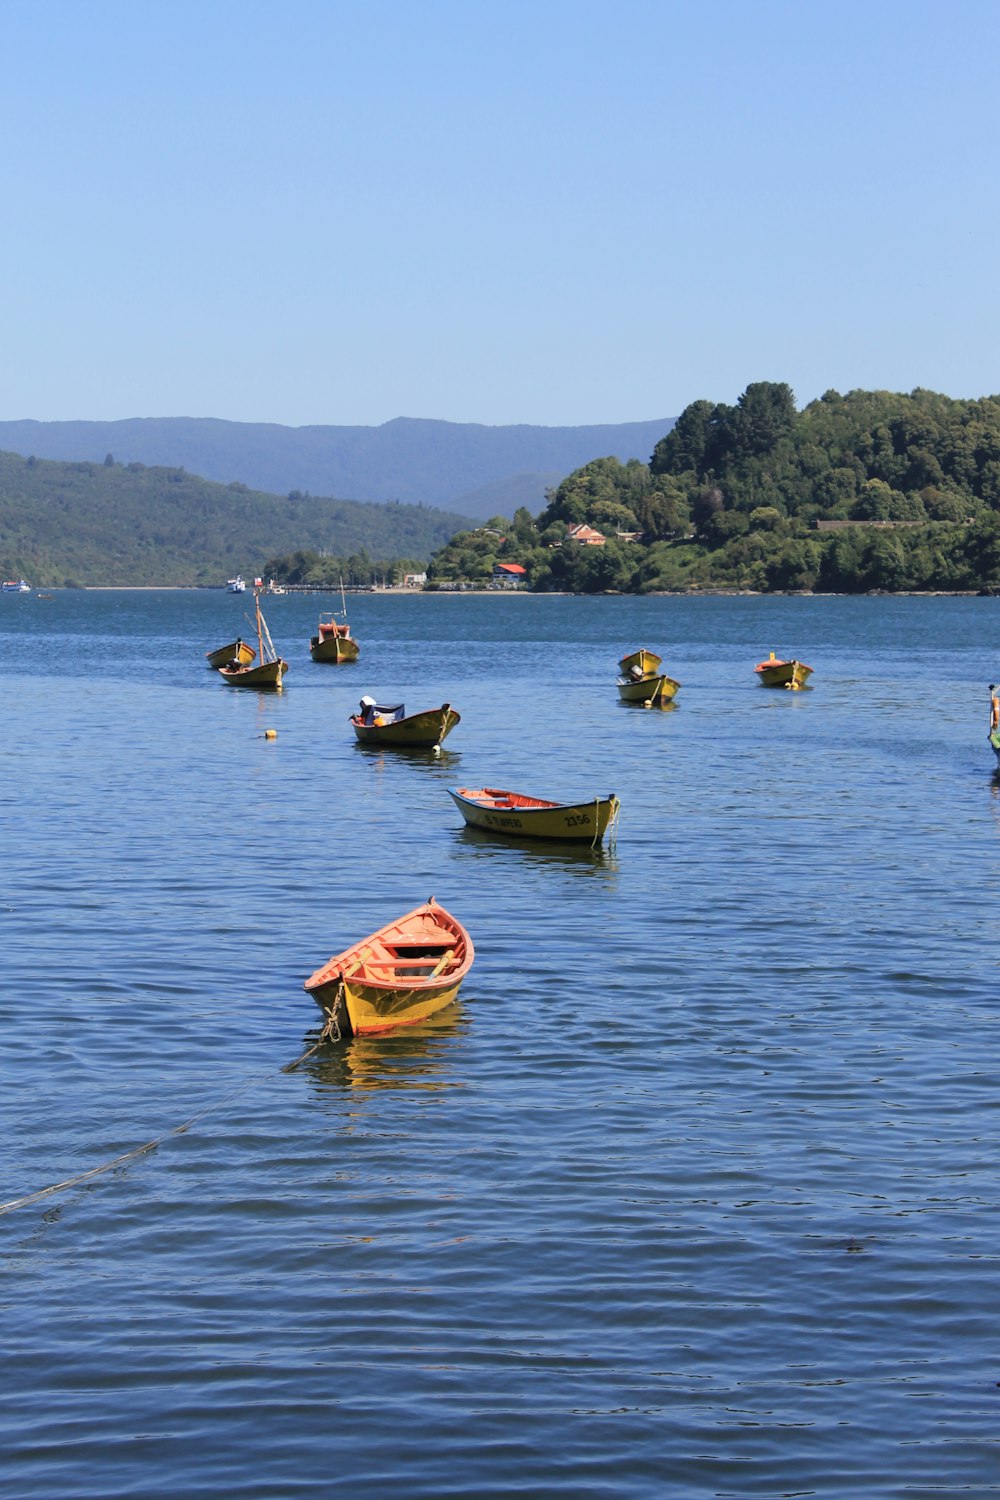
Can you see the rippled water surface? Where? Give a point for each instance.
(695, 1193)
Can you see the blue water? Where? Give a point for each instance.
(695, 1193)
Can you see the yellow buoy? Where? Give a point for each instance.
(270, 734)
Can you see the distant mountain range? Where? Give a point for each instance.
(460, 467)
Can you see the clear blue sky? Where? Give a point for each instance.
(546, 211)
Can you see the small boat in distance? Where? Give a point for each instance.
(514, 814)
(236, 585)
(403, 973)
(15, 586)
(994, 733)
(238, 651)
(333, 641)
(270, 668)
(776, 673)
(642, 682)
(389, 724)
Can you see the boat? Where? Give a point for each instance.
(389, 724)
(333, 640)
(532, 817)
(270, 666)
(642, 681)
(994, 732)
(776, 673)
(406, 971)
(236, 585)
(15, 586)
(643, 663)
(238, 651)
(275, 588)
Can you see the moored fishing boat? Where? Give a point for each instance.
(403, 973)
(270, 667)
(333, 640)
(776, 673)
(389, 724)
(239, 651)
(994, 732)
(236, 585)
(642, 681)
(519, 816)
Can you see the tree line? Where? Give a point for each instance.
(872, 490)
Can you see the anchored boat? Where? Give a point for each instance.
(776, 673)
(270, 668)
(333, 641)
(514, 814)
(389, 724)
(238, 651)
(642, 682)
(400, 975)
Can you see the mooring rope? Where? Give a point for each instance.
(330, 1032)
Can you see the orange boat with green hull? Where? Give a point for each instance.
(775, 673)
(399, 976)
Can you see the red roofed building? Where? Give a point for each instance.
(508, 576)
(585, 535)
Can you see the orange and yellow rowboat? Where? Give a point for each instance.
(513, 814)
(782, 674)
(239, 650)
(403, 973)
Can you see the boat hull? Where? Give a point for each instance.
(783, 674)
(513, 816)
(652, 690)
(399, 976)
(239, 649)
(335, 648)
(995, 742)
(266, 675)
(422, 731)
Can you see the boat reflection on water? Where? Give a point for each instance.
(581, 856)
(414, 1057)
(432, 759)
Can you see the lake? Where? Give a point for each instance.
(697, 1190)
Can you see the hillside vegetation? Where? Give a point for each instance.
(108, 523)
(872, 490)
(461, 467)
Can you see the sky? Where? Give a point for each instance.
(558, 212)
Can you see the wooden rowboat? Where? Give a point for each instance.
(271, 667)
(383, 724)
(782, 674)
(239, 651)
(642, 662)
(403, 973)
(653, 691)
(643, 682)
(531, 817)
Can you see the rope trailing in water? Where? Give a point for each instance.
(330, 1033)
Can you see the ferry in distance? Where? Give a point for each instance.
(15, 586)
(236, 585)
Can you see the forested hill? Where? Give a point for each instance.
(870, 490)
(109, 523)
(420, 462)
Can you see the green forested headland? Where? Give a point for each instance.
(869, 491)
(114, 524)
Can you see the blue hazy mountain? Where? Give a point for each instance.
(461, 467)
